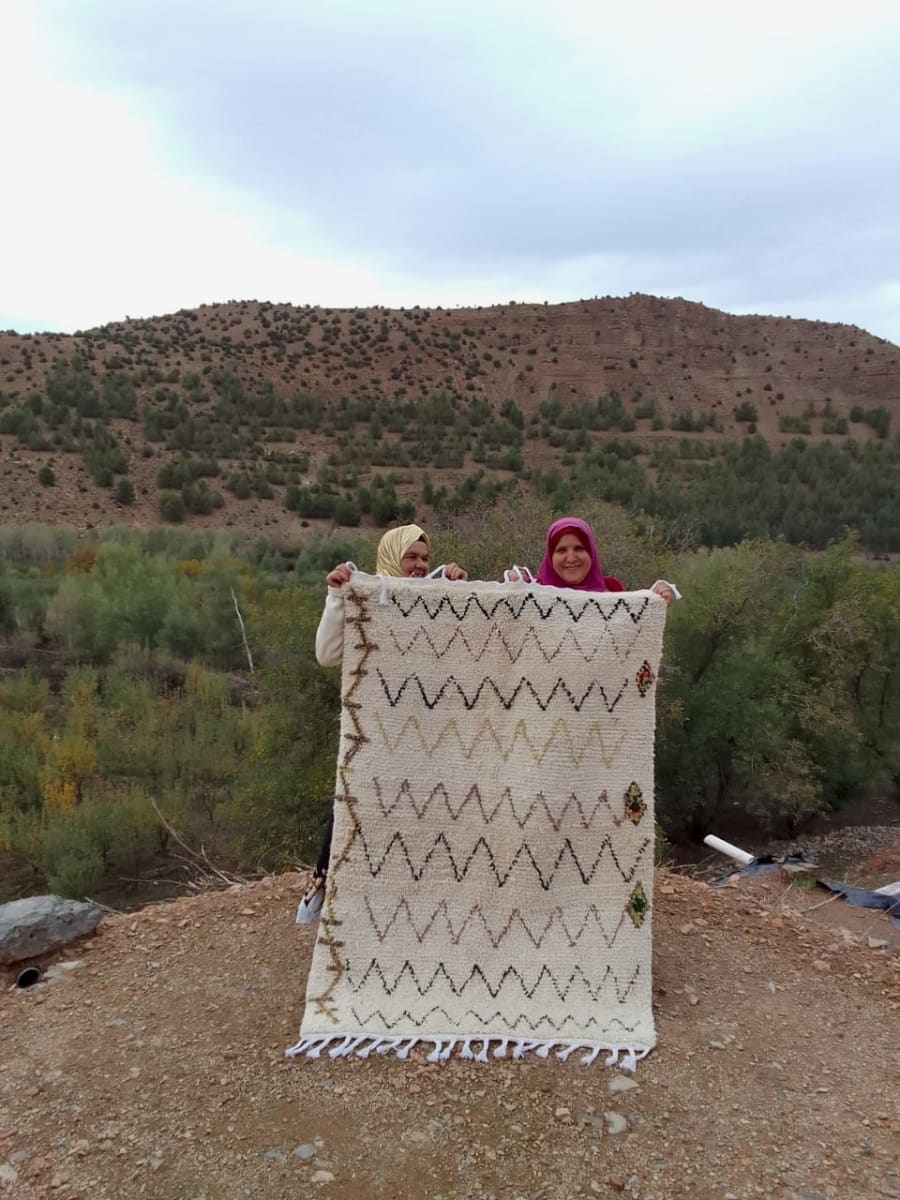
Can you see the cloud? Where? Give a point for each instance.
(402, 152)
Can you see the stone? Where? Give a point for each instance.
(622, 1083)
(275, 1155)
(876, 943)
(40, 924)
(321, 1177)
(8, 1175)
(305, 1151)
(615, 1123)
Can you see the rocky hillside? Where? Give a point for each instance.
(154, 1067)
(267, 395)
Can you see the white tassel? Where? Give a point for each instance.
(300, 1048)
(436, 1052)
(403, 1051)
(563, 1054)
(466, 1051)
(365, 1051)
(342, 1049)
(543, 1051)
(386, 1046)
(500, 1052)
(518, 1049)
(613, 1057)
(481, 1056)
(629, 1062)
(317, 1046)
(589, 1058)
(448, 1049)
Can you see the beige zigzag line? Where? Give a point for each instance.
(514, 655)
(495, 936)
(577, 750)
(487, 815)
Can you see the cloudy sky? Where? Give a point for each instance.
(165, 153)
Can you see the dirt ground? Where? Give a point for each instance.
(154, 1068)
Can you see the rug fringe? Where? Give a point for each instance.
(362, 1045)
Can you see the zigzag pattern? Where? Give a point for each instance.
(515, 604)
(573, 931)
(539, 806)
(408, 975)
(484, 1020)
(452, 686)
(576, 751)
(523, 854)
(587, 652)
(491, 872)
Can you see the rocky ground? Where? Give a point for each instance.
(152, 1065)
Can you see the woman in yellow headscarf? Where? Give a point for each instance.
(404, 551)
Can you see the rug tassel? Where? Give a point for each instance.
(543, 1051)
(563, 1054)
(518, 1049)
(387, 1046)
(590, 1058)
(481, 1056)
(466, 1051)
(403, 1051)
(318, 1045)
(300, 1048)
(500, 1052)
(448, 1050)
(365, 1051)
(612, 1058)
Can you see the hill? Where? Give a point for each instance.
(156, 1069)
(276, 406)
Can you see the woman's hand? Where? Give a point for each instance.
(663, 590)
(339, 575)
(454, 572)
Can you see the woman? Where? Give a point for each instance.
(571, 561)
(402, 552)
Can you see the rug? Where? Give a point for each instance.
(491, 880)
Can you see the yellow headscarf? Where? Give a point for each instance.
(394, 544)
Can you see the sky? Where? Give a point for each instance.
(166, 154)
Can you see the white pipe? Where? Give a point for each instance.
(726, 848)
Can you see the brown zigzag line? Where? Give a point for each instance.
(514, 655)
(540, 801)
(538, 753)
(523, 854)
(494, 937)
(442, 978)
(485, 1020)
(329, 926)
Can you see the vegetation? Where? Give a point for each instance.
(127, 688)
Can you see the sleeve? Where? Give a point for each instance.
(671, 586)
(330, 634)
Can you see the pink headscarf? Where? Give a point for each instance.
(593, 581)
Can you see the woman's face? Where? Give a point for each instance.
(571, 558)
(414, 563)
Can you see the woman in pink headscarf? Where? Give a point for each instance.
(571, 561)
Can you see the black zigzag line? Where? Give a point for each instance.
(440, 972)
(495, 936)
(523, 852)
(452, 684)
(406, 1017)
(530, 599)
(404, 647)
(473, 795)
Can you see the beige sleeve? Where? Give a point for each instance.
(330, 634)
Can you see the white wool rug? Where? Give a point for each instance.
(491, 880)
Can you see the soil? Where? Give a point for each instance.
(685, 356)
(154, 1067)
